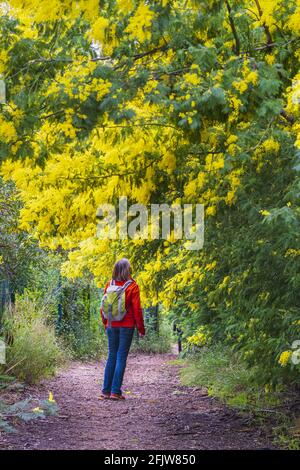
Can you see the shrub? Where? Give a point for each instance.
(154, 342)
(34, 351)
(229, 378)
(223, 373)
(85, 339)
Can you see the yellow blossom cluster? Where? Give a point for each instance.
(248, 77)
(200, 338)
(140, 23)
(7, 130)
(284, 358)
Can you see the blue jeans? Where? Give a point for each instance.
(119, 342)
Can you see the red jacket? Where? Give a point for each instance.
(134, 313)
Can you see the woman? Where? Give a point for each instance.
(120, 333)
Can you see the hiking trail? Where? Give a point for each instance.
(158, 414)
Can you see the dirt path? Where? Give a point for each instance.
(158, 414)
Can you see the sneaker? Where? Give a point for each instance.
(104, 396)
(117, 396)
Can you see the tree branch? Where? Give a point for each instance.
(233, 29)
(266, 28)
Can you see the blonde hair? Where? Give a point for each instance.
(122, 270)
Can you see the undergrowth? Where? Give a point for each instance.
(32, 349)
(227, 378)
(154, 341)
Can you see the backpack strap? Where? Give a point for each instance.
(122, 290)
(127, 283)
(109, 313)
(109, 320)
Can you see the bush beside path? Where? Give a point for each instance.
(158, 414)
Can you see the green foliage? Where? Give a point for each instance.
(223, 374)
(33, 351)
(250, 298)
(18, 250)
(44, 287)
(154, 341)
(227, 377)
(86, 339)
(81, 327)
(25, 411)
